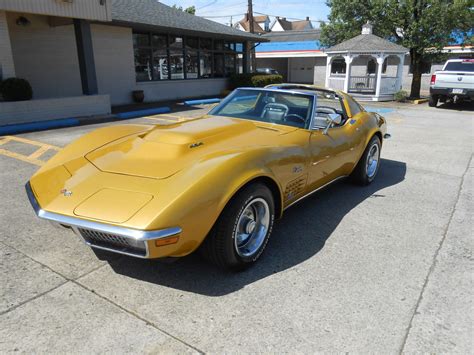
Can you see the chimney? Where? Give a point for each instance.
(284, 18)
(307, 18)
(367, 28)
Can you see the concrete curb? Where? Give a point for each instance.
(202, 102)
(38, 126)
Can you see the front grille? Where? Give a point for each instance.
(113, 241)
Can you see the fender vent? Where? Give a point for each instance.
(295, 187)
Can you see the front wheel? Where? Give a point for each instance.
(368, 166)
(242, 231)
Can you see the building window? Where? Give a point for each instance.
(168, 57)
(338, 66)
(425, 68)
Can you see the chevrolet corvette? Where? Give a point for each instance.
(216, 183)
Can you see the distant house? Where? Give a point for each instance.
(261, 24)
(282, 24)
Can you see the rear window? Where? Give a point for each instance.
(460, 66)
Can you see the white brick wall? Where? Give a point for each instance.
(7, 68)
(50, 109)
(86, 9)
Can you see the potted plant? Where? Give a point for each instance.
(138, 96)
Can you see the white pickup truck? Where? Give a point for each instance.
(454, 82)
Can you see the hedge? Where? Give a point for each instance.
(253, 80)
(16, 89)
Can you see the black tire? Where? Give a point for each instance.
(220, 246)
(433, 101)
(360, 175)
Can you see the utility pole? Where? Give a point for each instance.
(251, 30)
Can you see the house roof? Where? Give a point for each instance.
(292, 25)
(246, 26)
(153, 15)
(367, 43)
(261, 18)
(293, 36)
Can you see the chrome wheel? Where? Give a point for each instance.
(372, 160)
(252, 227)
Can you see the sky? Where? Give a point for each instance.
(291, 9)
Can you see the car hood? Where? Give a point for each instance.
(165, 150)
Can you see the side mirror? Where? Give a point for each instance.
(333, 118)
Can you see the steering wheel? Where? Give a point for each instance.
(293, 117)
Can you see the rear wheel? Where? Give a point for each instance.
(433, 101)
(242, 231)
(368, 166)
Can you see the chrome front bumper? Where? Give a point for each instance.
(132, 242)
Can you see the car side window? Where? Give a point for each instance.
(328, 103)
(354, 107)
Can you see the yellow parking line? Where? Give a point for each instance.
(28, 141)
(39, 152)
(21, 157)
(33, 157)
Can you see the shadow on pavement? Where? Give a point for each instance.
(461, 106)
(298, 236)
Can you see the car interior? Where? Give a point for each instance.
(282, 108)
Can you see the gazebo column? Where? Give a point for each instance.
(380, 60)
(348, 59)
(400, 71)
(328, 69)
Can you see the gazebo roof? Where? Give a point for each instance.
(366, 43)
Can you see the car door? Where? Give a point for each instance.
(333, 153)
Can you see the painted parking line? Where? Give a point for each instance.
(33, 158)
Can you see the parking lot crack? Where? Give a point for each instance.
(434, 259)
(134, 314)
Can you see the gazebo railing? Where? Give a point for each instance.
(336, 83)
(362, 84)
(388, 85)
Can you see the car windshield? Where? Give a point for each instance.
(285, 108)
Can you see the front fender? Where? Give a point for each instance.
(194, 199)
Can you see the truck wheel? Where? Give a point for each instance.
(242, 230)
(433, 102)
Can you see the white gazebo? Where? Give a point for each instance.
(367, 67)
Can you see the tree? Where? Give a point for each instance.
(422, 26)
(190, 10)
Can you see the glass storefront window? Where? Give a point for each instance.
(205, 63)
(191, 64)
(176, 64)
(219, 65)
(165, 57)
(143, 65)
(229, 63)
(206, 43)
(160, 64)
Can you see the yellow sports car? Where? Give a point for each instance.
(216, 182)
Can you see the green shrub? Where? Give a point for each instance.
(401, 96)
(16, 89)
(253, 80)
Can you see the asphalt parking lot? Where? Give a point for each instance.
(382, 269)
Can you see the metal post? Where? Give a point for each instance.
(85, 55)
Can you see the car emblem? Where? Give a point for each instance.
(66, 192)
(297, 169)
(459, 78)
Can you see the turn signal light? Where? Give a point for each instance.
(433, 79)
(167, 241)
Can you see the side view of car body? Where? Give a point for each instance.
(216, 182)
